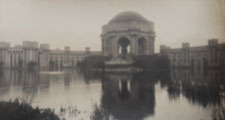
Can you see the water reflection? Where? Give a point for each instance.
(122, 96)
(128, 96)
(28, 82)
(199, 87)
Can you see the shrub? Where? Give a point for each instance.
(17, 110)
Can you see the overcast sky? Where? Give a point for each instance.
(78, 23)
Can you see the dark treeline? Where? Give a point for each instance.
(146, 62)
(152, 63)
(92, 62)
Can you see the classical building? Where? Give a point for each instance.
(128, 34)
(210, 56)
(30, 52)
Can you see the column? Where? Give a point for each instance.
(110, 46)
(16, 56)
(133, 46)
(115, 47)
(103, 52)
(148, 48)
(151, 44)
(13, 60)
(104, 47)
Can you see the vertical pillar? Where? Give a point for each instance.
(152, 46)
(7, 60)
(28, 56)
(152, 42)
(133, 45)
(1, 55)
(115, 47)
(107, 46)
(58, 60)
(104, 47)
(136, 46)
(25, 57)
(103, 51)
(148, 48)
(16, 57)
(110, 46)
(13, 59)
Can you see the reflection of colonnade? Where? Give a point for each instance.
(127, 98)
(30, 83)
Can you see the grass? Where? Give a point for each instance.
(99, 113)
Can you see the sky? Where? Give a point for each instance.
(78, 23)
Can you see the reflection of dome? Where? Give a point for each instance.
(128, 16)
(127, 21)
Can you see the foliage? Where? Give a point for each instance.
(151, 62)
(92, 62)
(219, 113)
(99, 113)
(17, 110)
(70, 111)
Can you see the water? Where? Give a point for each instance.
(178, 94)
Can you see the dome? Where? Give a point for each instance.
(128, 21)
(128, 16)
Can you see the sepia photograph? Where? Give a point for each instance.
(112, 59)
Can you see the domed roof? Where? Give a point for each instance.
(128, 16)
(128, 21)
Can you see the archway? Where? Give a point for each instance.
(142, 46)
(124, 47)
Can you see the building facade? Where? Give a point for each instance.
(210, 56)
(128, 34)
(29, 52)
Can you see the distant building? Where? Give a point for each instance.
(210, 56)
(29, 51)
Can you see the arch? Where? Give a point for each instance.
(124, 48)
(142, 46)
